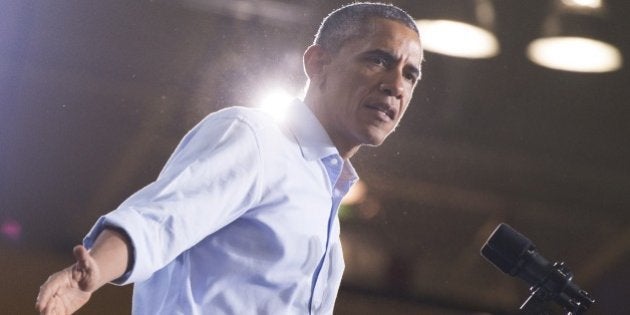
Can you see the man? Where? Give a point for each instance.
(243, 217)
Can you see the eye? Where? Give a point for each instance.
(378, 60)
(411, 77)
(412, 74)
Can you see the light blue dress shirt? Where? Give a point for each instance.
(241, 220)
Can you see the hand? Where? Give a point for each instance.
(69, 289)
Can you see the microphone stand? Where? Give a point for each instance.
(516, 255)
(535, 304)
(555, 286)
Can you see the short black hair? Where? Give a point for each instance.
(350, 21)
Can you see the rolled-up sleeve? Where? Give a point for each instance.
(212, 178)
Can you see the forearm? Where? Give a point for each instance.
(112, 254)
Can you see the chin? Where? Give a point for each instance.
(373, 136)
(375, 141)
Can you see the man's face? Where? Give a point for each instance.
(368, 84)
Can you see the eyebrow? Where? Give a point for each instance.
(390, 58)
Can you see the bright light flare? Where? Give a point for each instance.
(276, 102)
(457, 39)
(11, 229)
(576, 54)
(356, 194)
(593, 4)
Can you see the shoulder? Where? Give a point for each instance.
(233, 129)
(235, 124)
(252, 117)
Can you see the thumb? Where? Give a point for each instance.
(82, 256)
(84, 271)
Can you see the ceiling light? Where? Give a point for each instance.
(583, 3)
(577, 54)
(457, 39)
(574, 39)
(458, 28)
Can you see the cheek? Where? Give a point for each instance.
(350, 85)
(354, 75)
(350, 88)
(364, 83)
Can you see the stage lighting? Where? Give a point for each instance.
(276, 102)
(583, 3)
(573, 39)
(458, 28)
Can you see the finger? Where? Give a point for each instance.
(46, 291)
(50, 309)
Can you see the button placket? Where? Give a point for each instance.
(333, 167)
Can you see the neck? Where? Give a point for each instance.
(346, 150)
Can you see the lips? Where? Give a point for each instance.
(385, 109)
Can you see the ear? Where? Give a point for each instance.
(315, 60)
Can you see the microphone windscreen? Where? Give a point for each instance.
(505, 248)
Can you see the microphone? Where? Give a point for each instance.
(517, 256)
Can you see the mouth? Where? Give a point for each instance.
(385, 111)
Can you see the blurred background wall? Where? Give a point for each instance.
(94, 96)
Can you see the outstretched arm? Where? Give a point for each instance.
(69, 289)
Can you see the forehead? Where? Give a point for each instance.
(391, 36)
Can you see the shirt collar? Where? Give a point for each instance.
(309, 132)
(313, 138)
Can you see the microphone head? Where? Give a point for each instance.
(505, 248)
(516, 255)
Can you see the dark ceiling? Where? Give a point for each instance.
(94, 95)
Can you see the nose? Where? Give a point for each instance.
(393, 83)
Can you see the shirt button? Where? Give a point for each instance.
(337, 192)
(334, 161)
